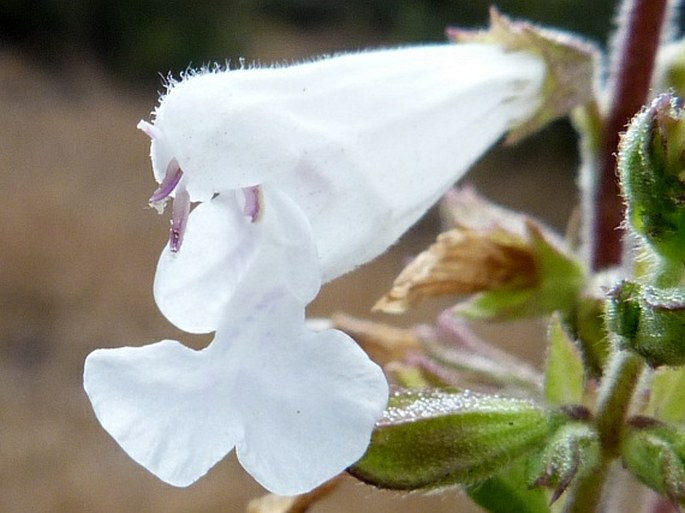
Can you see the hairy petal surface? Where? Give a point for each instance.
(299, 406)
(364, 143)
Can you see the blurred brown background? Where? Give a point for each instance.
(78, 247)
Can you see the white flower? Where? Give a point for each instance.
(298, 406)
(304, 173)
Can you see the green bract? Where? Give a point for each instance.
(508, 491)
(667, 395)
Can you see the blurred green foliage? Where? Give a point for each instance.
(141, 38)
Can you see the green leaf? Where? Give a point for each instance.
(667, 395)
(436, 438)
(496, 305)
(564, 373)
(508, 491)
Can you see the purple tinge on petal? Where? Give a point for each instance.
(179, 218)
(171, 178)
(253, 202)
(149, 129)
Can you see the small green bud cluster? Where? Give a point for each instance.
(572, 450)
(651, 167)
(650, 319)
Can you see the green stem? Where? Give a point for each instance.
(586, 494)
(615, 396)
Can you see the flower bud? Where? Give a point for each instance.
(573, 450)
(651, 164)
(650, 321)
(654, 453)
(433, 439)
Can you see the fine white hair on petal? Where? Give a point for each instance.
(299, 405)
(364, 142)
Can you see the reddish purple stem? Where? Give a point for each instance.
(637, 42)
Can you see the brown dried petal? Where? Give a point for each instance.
(462, 261)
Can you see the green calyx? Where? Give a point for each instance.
(571, 66)
(434, 438)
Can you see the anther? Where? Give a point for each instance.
(179, 218)
(253, 202)
(166, 187)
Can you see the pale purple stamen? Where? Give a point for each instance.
(169, 182)
(179, 218)
(253, 202)
(149, 129)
